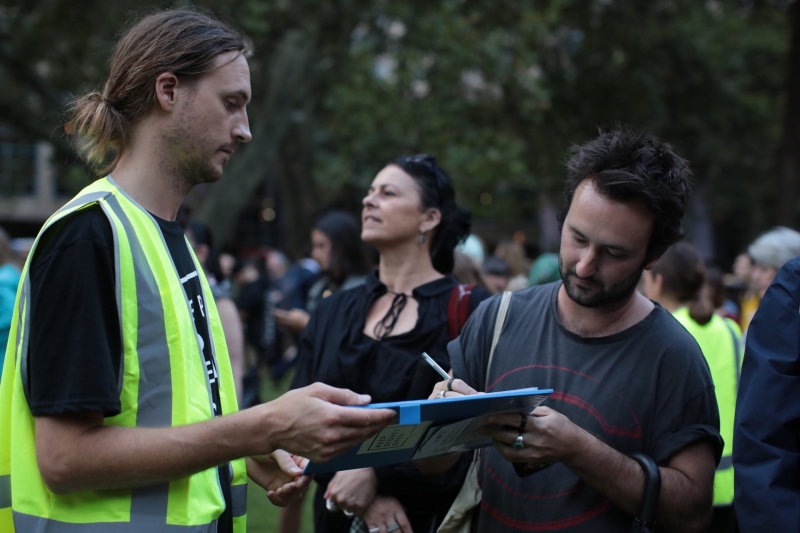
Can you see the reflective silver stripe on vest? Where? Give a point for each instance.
(118, 289)
(20, 307)
(85, 199)
(155, 381)
(24, 334)
(725, 463)
(239, 500)
(5, 491)
(34, 524)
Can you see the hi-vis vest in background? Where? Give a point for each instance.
(721, 343)
(162, 383)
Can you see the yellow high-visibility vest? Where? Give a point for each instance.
(163, 383)
(721, 342)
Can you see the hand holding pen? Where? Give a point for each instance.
(449, 388)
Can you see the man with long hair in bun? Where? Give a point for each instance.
(118, 409)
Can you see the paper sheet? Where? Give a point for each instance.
(457, 437)
(394, 437)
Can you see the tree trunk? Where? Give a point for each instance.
(288, 79)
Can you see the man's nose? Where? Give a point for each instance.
(587, 266)
(242, 130)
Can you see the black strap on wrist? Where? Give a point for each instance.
(646, 521)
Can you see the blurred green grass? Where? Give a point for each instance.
(262, 516)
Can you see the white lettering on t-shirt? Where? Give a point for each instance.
(200, 341)
(211, 371)
(188, 276)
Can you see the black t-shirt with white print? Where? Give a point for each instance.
(75, 366)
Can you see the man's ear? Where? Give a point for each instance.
(651, 264)
(166, 94)
(655, 255)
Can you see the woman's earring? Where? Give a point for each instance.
(421, 238)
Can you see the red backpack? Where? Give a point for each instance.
(458, 309)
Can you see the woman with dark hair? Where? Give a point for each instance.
(678, 283)
(370, 339)
(337, 248)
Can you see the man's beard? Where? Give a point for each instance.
(192, 168)
(604, 299)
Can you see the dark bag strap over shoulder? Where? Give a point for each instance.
(458, 309)
(646, 521)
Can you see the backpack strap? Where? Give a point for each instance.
(499, 322)
(458, 309)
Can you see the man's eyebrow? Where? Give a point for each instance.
(618, 248)
(574, 230)
(241, 93)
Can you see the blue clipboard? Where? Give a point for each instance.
(419, 420)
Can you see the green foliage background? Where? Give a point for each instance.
(499, 90)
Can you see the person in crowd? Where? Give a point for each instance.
(513, 253)
(121, 414)
(678, 283)
(473, 247)
(257, 301)
(740, 285)
(467, 272)
(765, 442)
(201, 241)
(769, 252)
(497, 274)
(718, 295)
(371, 339)
(337, 248)
(742, 269)
(256, 298)
(544, 270)
(9, 280)
(627, 377)
(227, 262)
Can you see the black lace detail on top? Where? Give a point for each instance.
(384, 328)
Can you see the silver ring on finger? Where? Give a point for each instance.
(392, 527)
(440, 395)
(330, 506)
(518, 444)
(374, 530)
(348, 514)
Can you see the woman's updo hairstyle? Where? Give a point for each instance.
(436, 192)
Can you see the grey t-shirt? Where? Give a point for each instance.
(646, 389)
